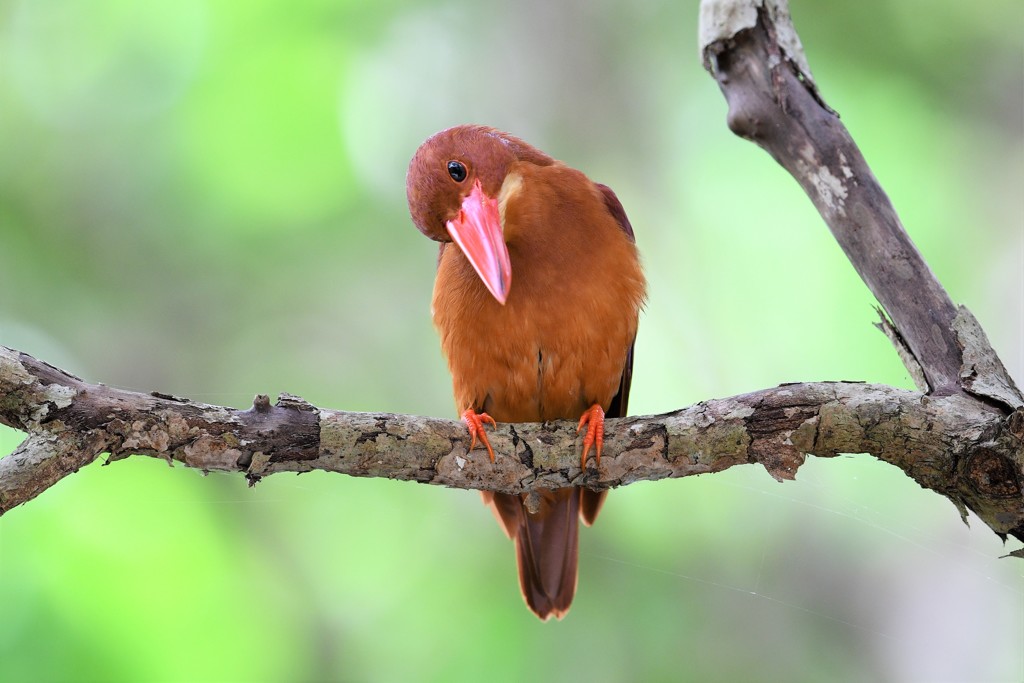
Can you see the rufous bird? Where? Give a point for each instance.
(537, 307)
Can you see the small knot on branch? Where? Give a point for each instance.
(292, 402)
(991, 474)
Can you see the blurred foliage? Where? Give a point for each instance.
(207, 199)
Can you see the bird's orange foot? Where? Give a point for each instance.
(475, 421)
(594, 418)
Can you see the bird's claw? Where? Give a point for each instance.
(594, 418)
(475, 422)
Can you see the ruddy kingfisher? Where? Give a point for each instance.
(537, 297)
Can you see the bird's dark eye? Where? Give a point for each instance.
(457, 170)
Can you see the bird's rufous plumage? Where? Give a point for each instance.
(537, 305)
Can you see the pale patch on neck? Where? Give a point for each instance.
(509, 189)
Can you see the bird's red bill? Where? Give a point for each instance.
(477, 231)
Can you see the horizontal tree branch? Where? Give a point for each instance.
(963, 448)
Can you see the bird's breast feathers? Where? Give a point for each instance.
(559, 343)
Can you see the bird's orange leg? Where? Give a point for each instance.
(475, 421)
(594, 418)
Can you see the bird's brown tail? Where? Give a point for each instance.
(547, 543)
(547, 548)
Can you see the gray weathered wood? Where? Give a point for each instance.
(754, 54)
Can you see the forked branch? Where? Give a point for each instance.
(962, 435)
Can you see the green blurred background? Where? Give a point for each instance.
(207, 199)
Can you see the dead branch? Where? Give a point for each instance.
(753, 51)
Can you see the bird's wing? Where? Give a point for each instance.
(616, 210)
(591, 501)
(619, 403)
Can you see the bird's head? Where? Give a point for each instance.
(453, 186)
